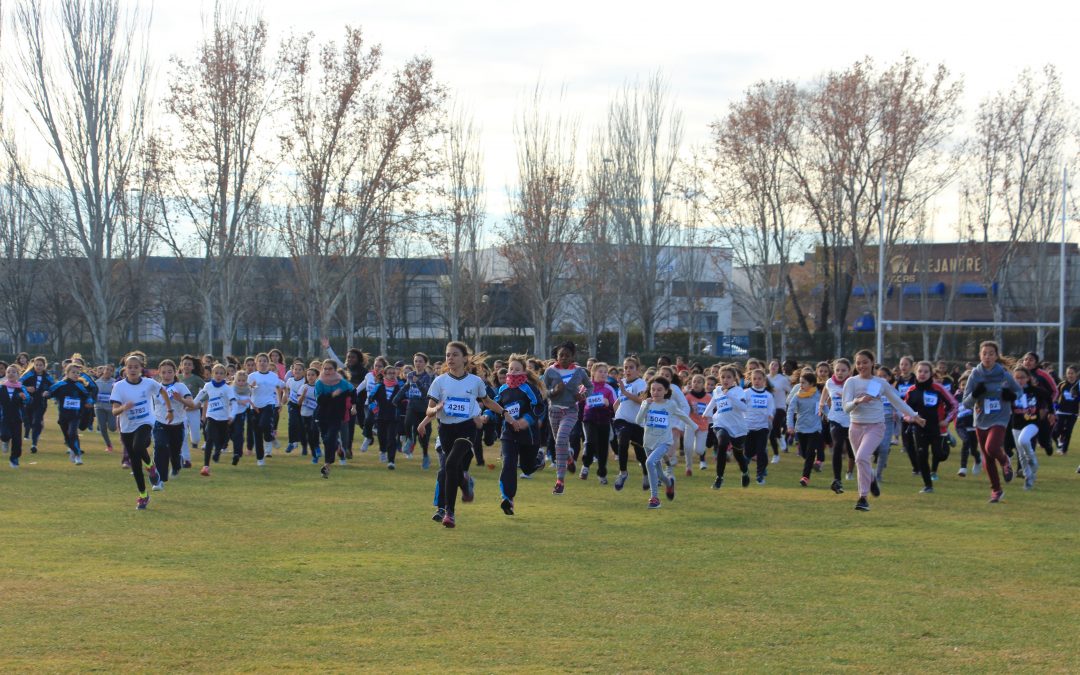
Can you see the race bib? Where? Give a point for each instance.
(514, 409)
(1022, 401)
(104, 398)
(293, 398)
(139, 412)
(457, 408)
(929, 399)
(760, 401)
(885, 402)
(310, 403)
(594, 401)
(700, 408)
(1067, 394)
(71, 403)
(838, 403)
(725, 405)
(414, 392)
(991, 405)
(658, 419)
(874, 388)
(216, 405)
(904, 389)
(566, 377)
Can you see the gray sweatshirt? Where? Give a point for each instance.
(657, 419)
(802, 414)
(990, 410)
(572, 379)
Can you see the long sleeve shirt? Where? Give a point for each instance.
(989, 409)
(873, 411)
(726, 409)
(657, 419)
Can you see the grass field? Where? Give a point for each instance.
(274, 569)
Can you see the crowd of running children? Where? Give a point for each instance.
(556, 412)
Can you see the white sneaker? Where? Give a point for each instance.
(584, 475)
(365, 445)
(848, 476)
(776, 460)
(382, 457)
(961, 472)
(703, 465)
(525, 476)
(783, 444)
(976, 469)
(341, 462)
(78, 460)
(261, 462)
(158, 486)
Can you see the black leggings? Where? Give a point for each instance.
(907, 437)
(723, 440)
(331, 439)
(779, 421)
(217, 436)
(757, 446)
(263, 423)
(969, 447)
(596, 446)
(927, 445)
(388, 438)
(809, 444)
(1044, 436)
(1063, 429)
(412, 419)
(168, 440)
(840, 445)
(456, 441)
(632, 434)
(12, 433)
(135, 445)
(515, 454)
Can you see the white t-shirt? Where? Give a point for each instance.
(294, 388)
(307, 392)
(456, 397)
(219, 401)
(781, 387)
(264, 388)
(628, 410)
(242, 403)
(142, 395)
(161, 412)
(836, 411)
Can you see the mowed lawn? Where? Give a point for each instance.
(275, 569)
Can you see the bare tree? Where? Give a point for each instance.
(86, 93)
(644, 136)
(538, 234)
(594, 267)
(22, 247)
(220, 101)
(358, 147)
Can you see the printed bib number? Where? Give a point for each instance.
(71, 403)
(293, 397)
(838, 404)
(929, 399)
(904, 389)
(414, 392)
(104, 398)
(216, 405)
(885, 402)
(140, 411)
(594, 401)
(1022, 401)
(566, 377)
(514, 409)
(658, 419)
(310, 403)
(457, 408)
(701, 408)
(725, 405)
(760, 401)
(992, 405)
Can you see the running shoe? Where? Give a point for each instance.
(817, 466)
(584, 475)
(654, 502)
(235, 460)
(153, 474)
(761, 479)
(848, 476)
(14, 462)
(467, 489)
(33, 449)
(689, 472)
(78, 460)
(390, 466)
(1008, 472)
(644, 482)
(620, 481)
(775, 459)
(804, 481)
(325, 470)
(315, 458)
(205, 471)
(571, 466)
(158, 487)
(382, 457)
(507, 506)
(862, 504)
(976, 469)
(289, 448)
(187, 462)
(875, 489)
(141, 502)
(365, 445)
(746, 479)
(448, 521)
(933, 476)
(669, 492)
(425, 463)
(125, 464)
(1029, 482)
(962, 472)
(559, 487)
(996, 495)
(108, 448)
(261, 462)
(603, 480)
(525, 476)
(541, 461)
(439, 515)
(703, 465)
(926, 491)
(718, 483)
(216, 457)
(837, 487)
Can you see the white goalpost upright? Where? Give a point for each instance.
(881, 324)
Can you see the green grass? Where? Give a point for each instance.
(275, 569)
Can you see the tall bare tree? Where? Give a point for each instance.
(644, 136)
(358, 145)
(85, 88)
(220, 101)
(594, 267)
(538, 234)
(22, 248)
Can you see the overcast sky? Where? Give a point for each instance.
(490, 53)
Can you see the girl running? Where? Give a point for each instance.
(133, 400)
(804, 423)
(1065, 407)
(905, 380)
(656, 415)
(308, 424)
(293, 383)
(566, 383)
(216, 401)
(103, 408)
(415, 392)
(333, 401)
(522, 396)
(966, 431)
(933, 402)
(781, 388)
(356, 371)
(892, 421)
(759, 416)
(73, 398)
(696, 437)
(169, 429)
(631, 394)
(382, 408)
(266, 388)
(36, 381)
(1029, 408)
(599, 410)
(242, 417)
(454, 396)
(192, 376)
(832, 407)
(989, 392)
(727, 409)
(861, 401)
(13, 399)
